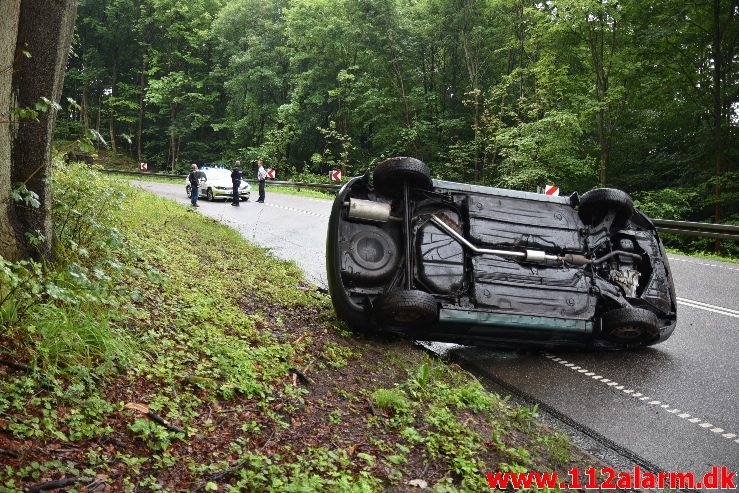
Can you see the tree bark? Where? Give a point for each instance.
(717, 107)
(45, 29)
(140, 126)
(85, 114)
(9, 10)
(111, 114)
(717, 114)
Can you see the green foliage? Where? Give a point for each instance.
(204, 357)
(390, 400)
(668, 203)
(497, 92)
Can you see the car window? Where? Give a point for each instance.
(202, 175)
(219, 174)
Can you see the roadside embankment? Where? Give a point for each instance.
(163, 352)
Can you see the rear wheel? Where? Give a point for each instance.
(629, 326)
(188, 191)
(595, 204)
(406, 308)
(209, 195)
(391, 174)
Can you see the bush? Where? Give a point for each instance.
(67, 313)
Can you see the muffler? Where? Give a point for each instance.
(367, 210)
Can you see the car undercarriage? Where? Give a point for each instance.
(444, 261)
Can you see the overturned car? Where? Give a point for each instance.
(443, 261)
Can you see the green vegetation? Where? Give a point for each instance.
(146, 359)
(705, 255)
(578, 93)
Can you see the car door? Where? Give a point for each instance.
(203, 183)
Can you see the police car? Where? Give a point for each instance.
(215, 183)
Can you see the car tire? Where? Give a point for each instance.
(595, 204)
(391, 174)
(406, 308)
(188, 191)
(629, 326)
(209, 195)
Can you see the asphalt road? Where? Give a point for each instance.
(676, 405)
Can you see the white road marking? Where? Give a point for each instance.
(711, 308)
(701, 263)
(648, 400)
(293, 209)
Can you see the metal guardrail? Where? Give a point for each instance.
(706, 230)
(687, 228)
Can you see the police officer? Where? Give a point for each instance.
(236, 182)
(261, 177)
(194, 180)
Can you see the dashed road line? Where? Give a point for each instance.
(708, 307)
(293, 209)
(718, 431)
(671, 258)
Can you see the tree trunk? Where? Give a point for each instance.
(717, 113)
(140, 127)
(111, 114)
(85, 115)
(10, 247)
(45, 30)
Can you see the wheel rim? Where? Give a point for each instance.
(210, 194)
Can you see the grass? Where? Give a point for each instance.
(705, 255)
(256, 385)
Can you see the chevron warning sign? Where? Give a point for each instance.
(551, 190)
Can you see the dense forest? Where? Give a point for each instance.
(641, 95)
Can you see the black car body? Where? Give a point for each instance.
(444, 261)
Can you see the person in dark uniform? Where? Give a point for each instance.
(194, 180)
(236, 182)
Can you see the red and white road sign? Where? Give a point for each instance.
(271, 173)
(143, 166)
(551, 190)
(335, 174)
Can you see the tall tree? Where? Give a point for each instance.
(44, 31)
